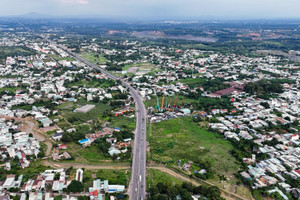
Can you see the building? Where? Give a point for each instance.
(85, 109)
(79, 175)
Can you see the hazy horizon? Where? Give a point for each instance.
(155, 9)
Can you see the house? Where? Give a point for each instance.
(9, 182)
(79, 175)
(57, 136)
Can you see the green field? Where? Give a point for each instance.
(94, 58)
(169, 100)
(6, 51)
(76, 118)
(181, 139)
(57, 58)
(123, 122)
(193, 82)
(91, 83)
(155, 176)
(118, 177)
(89, 154)
(142, 67)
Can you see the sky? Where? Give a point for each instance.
(156, 9)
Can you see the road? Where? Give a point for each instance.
(137, 186)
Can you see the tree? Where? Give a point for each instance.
(172, 192)
(188, 186)
(75, 186)
(162, 197)
(41, 154)
(59, 197)
(162, 188)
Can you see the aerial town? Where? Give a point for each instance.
(88, 117)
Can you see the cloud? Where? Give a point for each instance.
(80, 2)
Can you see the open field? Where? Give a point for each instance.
(94, 58)
(181, 139)
(76, 118)
(89, 154)
(123, 122)
(155, 176)
(57, 58)
(169, 100)
(193, 82)
(6, 51)
(91, 83)
(118, 177)
(142, 68)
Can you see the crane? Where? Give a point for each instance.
(174, 105)
(166, 105)
(157, 103)
(162, 102)
(182, 103)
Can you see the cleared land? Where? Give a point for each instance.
(141, 68)
(169, 100)
(94, 58)
(76, 118)
(89, 154)
(181, 139)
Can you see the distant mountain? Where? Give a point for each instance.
(34, 15)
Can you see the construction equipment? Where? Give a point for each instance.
(166, 106)
(174, 105)
(162, 102)
(157, 104)
(182, 104)
(170, 103)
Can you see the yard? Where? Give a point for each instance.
(89, 154)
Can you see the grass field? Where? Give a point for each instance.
(171, 100)
(89, 154)
(94, 58)
(77, 118)
(91, 83)
(142, 67)
(155, 176)
(180, 139)
(123, 122)
(118, 177)
(193, 82)
(6, 51)
(57, 58)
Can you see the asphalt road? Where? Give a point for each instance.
(137, 186)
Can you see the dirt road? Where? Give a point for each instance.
(86, 166)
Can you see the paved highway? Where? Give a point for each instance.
(137, 186)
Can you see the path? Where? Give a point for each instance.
(86, 166)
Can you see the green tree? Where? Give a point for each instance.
(75, 186)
